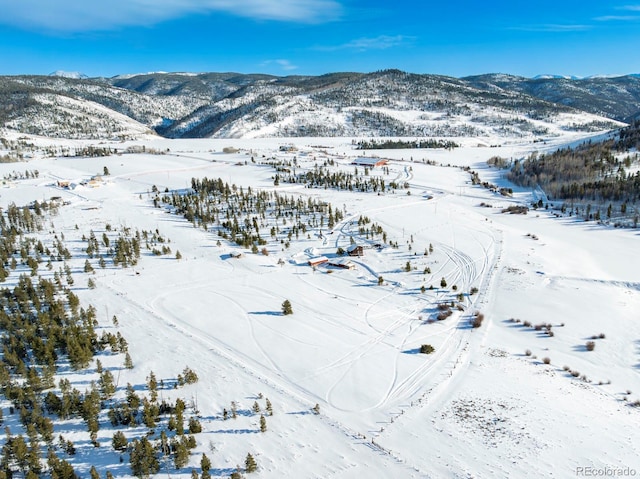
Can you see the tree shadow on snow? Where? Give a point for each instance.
(266, 313)
(222, 472)
(580, 348)
(236, 431)
(412, 351)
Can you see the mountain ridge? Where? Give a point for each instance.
(382, 103)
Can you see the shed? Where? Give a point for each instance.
(355, 250)
(318, 260)
(343, 263)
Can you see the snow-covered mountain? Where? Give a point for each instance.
(384, 103)
(66, 74)
(613, 97)
(550, 76)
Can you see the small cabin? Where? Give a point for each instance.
(342, 263)
(355, 250)
(318, 260)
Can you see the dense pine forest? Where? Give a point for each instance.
(593, 173)
(404, 144)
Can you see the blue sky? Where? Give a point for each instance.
(312, 37)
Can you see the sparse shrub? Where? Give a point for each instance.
(477, 320)
(527, 352)
(189, 376)
(426, 349)
(575, 374)
(473, 291)
(590, 345)
(516, 210)
(546, 360)
(194, 426)
(566, 368)
(526, 324)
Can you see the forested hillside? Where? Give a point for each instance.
(387, 103)
(593, 172)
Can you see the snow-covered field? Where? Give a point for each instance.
(478, 406)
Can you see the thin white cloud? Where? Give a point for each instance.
(552, 28)
(618, 18)
(89, 15)
(631, 8)
(283, 64)
(381, 42)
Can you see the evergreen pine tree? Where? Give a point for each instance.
(128, 363)
(152, 384)
(250, 464)
(181, 454)
(205, 465)
(263, 424)
(286, 307)
(143, 458)
(119, 441)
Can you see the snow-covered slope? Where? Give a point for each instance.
(386, 103)
(485, 403)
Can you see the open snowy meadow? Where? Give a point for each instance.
(544, 386)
